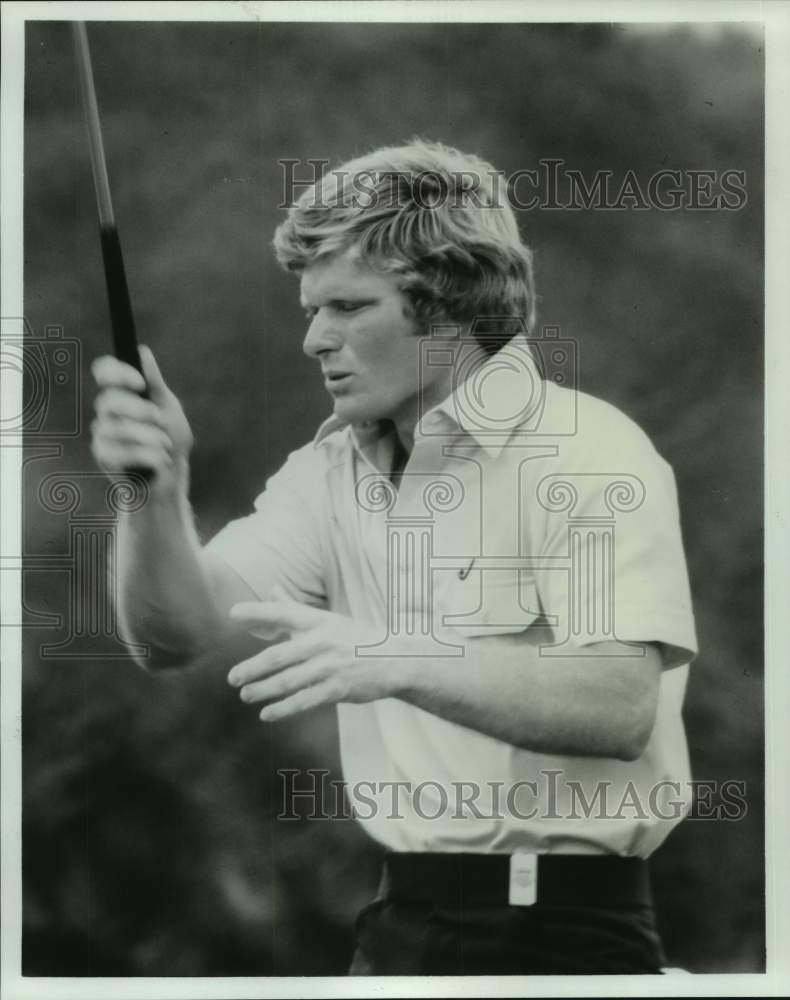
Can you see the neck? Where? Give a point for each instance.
(435, 394)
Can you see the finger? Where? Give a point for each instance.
(122, 458)
(130, 432)
(109, 371)
(270, 661)
(287, 682)
(324, 693)
(291, 614)
(270, 633)
(157, 387)
(117, 403)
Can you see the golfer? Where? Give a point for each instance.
(480, 565)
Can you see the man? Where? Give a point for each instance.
(481, 568)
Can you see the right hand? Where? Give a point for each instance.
(130, 432)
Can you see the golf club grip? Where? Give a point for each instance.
(124, 335)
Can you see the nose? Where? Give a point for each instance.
(320, 336)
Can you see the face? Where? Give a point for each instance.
(367, 346)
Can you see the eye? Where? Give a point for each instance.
(348, 307)
(310, 312)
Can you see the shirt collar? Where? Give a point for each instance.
(329, 426)
(362, 436)
(489, 405)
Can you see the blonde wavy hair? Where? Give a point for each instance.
(437, 219)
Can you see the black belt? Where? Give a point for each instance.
(485, 879)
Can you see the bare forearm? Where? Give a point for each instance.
(602, 703)
(596, 705)
(164, 597)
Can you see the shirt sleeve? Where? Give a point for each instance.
(612, 543)
(281, 541)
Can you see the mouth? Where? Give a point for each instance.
(334, 380)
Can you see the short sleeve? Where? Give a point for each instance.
(612, 544)
(281, 541)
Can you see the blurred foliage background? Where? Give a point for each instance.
(151, 844)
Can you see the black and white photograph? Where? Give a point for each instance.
(394, 510)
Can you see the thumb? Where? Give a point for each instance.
(157, 387)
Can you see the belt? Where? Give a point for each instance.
(520, 879)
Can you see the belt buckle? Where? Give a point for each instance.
(523, 885)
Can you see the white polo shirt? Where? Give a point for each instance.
(525, 506)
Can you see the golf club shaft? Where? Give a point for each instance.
(121, 317)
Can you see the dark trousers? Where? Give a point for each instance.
(408, 937)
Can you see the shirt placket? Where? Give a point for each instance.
(371, 521)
